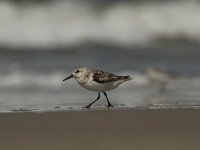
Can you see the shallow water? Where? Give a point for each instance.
(32, 81)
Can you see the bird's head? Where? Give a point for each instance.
(77, 73)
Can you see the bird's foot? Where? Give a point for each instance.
(86, 107)
(110, 105)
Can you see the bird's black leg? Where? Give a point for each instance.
(109, 104)
(89, 105)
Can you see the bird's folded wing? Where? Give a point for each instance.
(103, 77)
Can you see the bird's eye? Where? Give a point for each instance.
(77, 71)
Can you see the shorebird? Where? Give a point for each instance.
(98, 81)
(160, 76)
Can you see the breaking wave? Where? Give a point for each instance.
(71, 23)
(20, 79)
(51, 80)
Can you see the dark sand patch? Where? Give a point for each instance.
(102, 129)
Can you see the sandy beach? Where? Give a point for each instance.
(101, 129)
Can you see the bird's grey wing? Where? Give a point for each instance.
(103, 77)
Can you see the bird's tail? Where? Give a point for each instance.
(127, 78)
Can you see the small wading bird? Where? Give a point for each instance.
(160, 76)
(98, 81)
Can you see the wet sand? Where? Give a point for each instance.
(101, 130)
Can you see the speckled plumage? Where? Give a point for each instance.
(103, 77)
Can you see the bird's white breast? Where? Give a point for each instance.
(89, 84)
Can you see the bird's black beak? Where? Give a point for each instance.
(71, 76)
